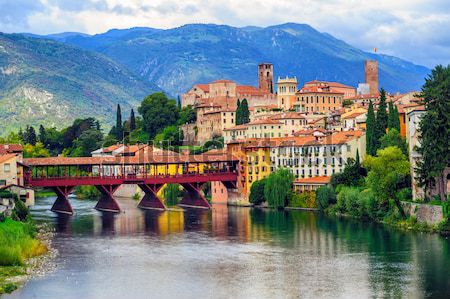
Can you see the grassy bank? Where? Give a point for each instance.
(44, 193)
(17, 243)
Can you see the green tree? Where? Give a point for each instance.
(170, 136)
(386, 173)
(187, 115)
(352, 175)
(278, 187)
(119, 127)
(325, 196)
(42, 134)
(393, 138)
(132, 121)
(245, 113)
(393, 118)
(257, 192)
(172, 192)
(29, 137)
(88, 141)
(370, 131)
(435, 131)
(238, 120)
(158, 112)
(35, 151)
(381, 122)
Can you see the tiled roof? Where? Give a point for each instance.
(222, 81)
(265, 121)
(204, 87)
(353, 115)
(6, 157)
(250, 90)
(331, 84)
(288, 115)
(322, 180)
(238, 127)
(10, 148)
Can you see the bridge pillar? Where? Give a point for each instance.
(107, 202)
(62, 204)
(193, 196)
(151, 201)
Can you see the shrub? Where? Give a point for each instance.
(87, 192)
(325, 196)
(20, 211)
(404, 194)
(303, 200)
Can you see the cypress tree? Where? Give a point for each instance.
(391, 116)
(396, 119)
(42, 137)
(381, 122)
(238, 113)
(434, 130)
(119, 128)
(132, 121)
(370, 131)
(245, 113)
(31, 136)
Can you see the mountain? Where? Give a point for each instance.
(43, 81)
(177, 58)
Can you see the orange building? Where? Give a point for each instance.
(318, 99)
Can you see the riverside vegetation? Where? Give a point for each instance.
(18, 243)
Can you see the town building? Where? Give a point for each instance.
(310, 184)
(287, 87)
(371, 75)
(321, 98)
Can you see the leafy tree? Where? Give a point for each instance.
(386, 172)
(170, 136)
(187, 115)
(88, 141)
(393, 138)
(381, 122)
(352, 175)
(257, 192)
(71, 133)
(325, 196)
(54, 141)
(11, 138)
(278, 187)
(158, 112)
(172, 192)
(370, 131)
(35, 151)
(132, 121)
(435, 131)
(393, 118)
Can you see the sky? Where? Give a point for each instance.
(416, 30)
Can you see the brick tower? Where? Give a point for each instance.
(371, 74)
(265, 77)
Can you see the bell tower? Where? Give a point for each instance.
(265, 77)
(371, 74)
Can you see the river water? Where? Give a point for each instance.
(235, 253)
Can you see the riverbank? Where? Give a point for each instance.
(25, 251)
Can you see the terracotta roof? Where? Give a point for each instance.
(238, 127)
(10, 148)
(310, 132)
(264, 122)
(417, 108)
(6, 157)
(331, 84)
(322, 180)
(250, 90)
(353, 115)
(204, 87)
(288, 115)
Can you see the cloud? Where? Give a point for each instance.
(416, 30)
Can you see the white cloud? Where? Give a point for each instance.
(412, 29)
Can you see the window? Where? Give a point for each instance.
(7, 167)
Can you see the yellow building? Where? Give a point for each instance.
(287, 88)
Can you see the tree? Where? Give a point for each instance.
(238, 120)
(257, 192)
(171, 194)
(352, 175)
(132, 121)
(187, 115)
(325, 196)
(435, 131)
(35, 151)
(119, 128)
(158, 112)
(42, 137)
(386, 172)
(370, 131)
(30, 136)
(381, 122)
(393, 138)
(278, 187)
(245, 113)
(170, 136)
(88, 141)
(393, 118)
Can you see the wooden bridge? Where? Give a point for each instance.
(150, 173)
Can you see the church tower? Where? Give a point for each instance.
(265, 77)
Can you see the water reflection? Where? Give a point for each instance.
(236, 252)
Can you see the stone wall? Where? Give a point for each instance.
(429, 214)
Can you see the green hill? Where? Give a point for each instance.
(47, 82)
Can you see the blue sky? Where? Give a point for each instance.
(416, 30)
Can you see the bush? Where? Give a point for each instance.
(404, 194)
(257, 192)
(325, 196)
(171, 194)
(20, 211)
(87, 192)
(303, 200)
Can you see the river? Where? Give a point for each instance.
(234, 253)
